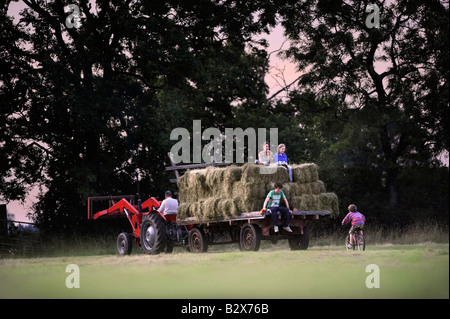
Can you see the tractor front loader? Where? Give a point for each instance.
(151, 230)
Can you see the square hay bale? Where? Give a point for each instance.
(329, 201)
(184, 210)
(209, 208)
(306, 202)
(305, 173)
(250, 191)
(228, 208)
(192, 185)
(297, 189)
(251, 174)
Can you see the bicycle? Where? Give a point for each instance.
(360, 241)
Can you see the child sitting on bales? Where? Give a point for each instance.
(273, 203)
(281, 159)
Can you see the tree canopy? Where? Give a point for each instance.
(86, 107)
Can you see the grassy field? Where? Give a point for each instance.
(406, 271)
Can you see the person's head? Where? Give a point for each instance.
(281, 148)
(168, 194)
(266, 146)
(277, 187)
(352, 208)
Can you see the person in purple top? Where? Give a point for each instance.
(356, 219)
(280, 158)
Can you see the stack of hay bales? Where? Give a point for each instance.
(215, 193)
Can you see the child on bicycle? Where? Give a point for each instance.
(356, 219)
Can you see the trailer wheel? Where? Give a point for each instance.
(197, 240)
(301, 242)
(250, 237)
(153, 234)
(124, 243)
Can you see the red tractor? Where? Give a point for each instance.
(151, 230)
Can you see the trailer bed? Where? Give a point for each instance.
(252, 216)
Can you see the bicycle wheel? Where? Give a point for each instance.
(362, 242)
(348, 246)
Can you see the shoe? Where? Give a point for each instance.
(288, 229)
(275, 229)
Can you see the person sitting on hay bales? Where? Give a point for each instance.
(265, 157)
(272, 201)
(280, 158)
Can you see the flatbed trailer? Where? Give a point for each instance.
(157, 233)
(249, 229)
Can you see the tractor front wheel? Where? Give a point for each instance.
(124, 243)
(153, 234)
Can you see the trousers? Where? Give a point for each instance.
(284, 212)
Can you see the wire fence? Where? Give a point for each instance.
(19, 239)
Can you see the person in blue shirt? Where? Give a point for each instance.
(280, 158)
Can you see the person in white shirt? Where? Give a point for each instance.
(168, 206)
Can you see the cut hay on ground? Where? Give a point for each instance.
(215, 193)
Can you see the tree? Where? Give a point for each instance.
(388, 85)
(86, 107)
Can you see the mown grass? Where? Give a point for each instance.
(413, 263)
(406, 271)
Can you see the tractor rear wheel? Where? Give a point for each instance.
(124, 243)
(197, 240)
(153, 234)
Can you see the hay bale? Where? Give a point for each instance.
(184, 210)
(306, 202)
(251, 173)
(250, 191)
(311, 202)
(193, 182)
(228, 208)
(224, 192)
(214, 176)
(305, 173)
(297, 189)
(329, 201)
(209, 209)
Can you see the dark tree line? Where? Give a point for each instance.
(85, 109)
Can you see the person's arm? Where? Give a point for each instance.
(287, 204)
(271, 158)
(260, 156)
(345, 220)
(265, 202)
(162, 207)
